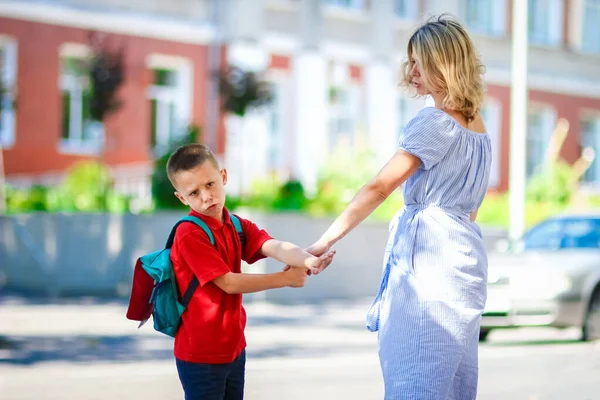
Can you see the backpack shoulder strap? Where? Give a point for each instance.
(238, 227)
(189, 292)
(195, 220)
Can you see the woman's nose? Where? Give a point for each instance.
(414, 71)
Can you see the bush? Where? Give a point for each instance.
(495, 210)
(291, 197)
(339, 180)
(162, 189)
(87, 188)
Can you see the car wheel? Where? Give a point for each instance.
(591, 326)
(483, 334)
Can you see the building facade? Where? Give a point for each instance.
(334, 67)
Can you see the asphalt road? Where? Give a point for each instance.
(89, 351)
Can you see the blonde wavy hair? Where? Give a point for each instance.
(449, 64)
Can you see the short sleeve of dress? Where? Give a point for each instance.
(429, 136)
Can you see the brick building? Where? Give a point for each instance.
(333, 65)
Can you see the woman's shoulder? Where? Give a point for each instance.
(430, 118)
(431, 115)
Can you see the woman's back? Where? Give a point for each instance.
(456, 162)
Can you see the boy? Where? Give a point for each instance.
(210, 343)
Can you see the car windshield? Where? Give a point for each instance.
(567, 233)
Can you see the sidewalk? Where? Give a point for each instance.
(89, 351)
(99, 332)
(83, 345)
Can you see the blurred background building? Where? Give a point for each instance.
(333, 65)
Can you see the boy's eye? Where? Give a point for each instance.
(195, 192)
(210, 184)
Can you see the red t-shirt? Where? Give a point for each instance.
(212, 327)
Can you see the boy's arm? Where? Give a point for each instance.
(234, 283)
(259, 245)
(288, 253)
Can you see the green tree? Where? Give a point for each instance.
(162, 189)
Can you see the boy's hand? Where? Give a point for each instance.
(322, 262)
(317, 266)
(295, 276)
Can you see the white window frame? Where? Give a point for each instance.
(278, 140)
(539, 139)
(587, 41)
(591, 139)
(9, 82)
(496, 11)
(348, 112)
(180, 96)
(555, 22)
(491, 113)
(75, 85)
(407, 108)
(340, 80)
(357, 5)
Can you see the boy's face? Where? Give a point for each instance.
(202, 189)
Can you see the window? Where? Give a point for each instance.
(406, 9)
(540, 126)
(349, 4)
(590, 138)
(170, 100)
(343, 103)
(277, 133)
(486, 17)
(79, 134)
(590, 40)
(491, 113)
(408, 108)
(545, 22)
(8, 75)
(545, 235)
(565, 233)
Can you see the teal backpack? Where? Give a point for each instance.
(154, 287)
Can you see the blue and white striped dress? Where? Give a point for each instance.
(433, 288)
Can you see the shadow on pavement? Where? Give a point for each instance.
(85, 349)
(23, 298)
(35, 349)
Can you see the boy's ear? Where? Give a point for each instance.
(181, 199)
(224, 176)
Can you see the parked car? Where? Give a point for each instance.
(551, 277)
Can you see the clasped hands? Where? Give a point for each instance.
(323, 257)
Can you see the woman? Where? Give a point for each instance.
(433, 288)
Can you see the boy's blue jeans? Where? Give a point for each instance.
(213, 381)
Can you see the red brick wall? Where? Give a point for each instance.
(278, 61)
(502, 94)
(38, 114)
(571, 108)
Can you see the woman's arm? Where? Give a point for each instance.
(397, 170)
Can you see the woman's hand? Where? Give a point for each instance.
(322, 262)
(318, 248)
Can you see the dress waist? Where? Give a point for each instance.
(416, 207)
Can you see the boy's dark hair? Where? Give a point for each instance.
(189, 157)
